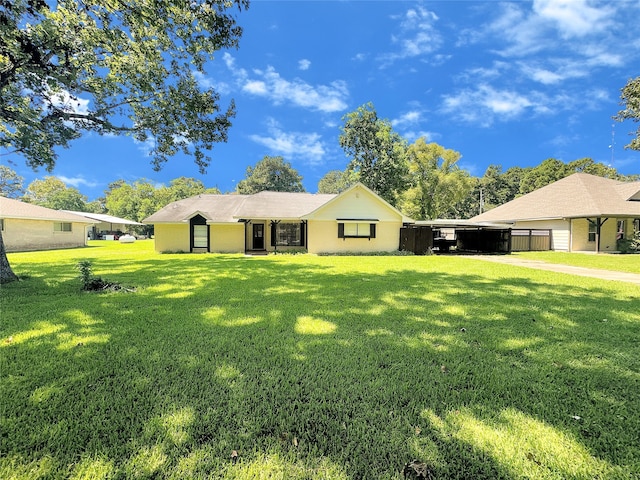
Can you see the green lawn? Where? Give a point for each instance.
(315, 367)
(618, 263)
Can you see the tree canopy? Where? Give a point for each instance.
(271, 173)
(630, 98)
(334, 181)
(376, 152)
(112, 67)
(11, 184)
(51, 192)
(436, 182)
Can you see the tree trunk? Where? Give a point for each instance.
(6, 274)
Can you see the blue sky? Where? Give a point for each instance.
(509, 83)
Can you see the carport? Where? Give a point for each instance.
(459, 236)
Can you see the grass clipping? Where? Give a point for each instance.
(91, 283)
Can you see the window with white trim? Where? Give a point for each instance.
(356, 230)
(593, 229)
(62, 226)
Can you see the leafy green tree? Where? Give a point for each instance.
(96, 206)
(51, 192)
(271, 173)
(436, 181)
(184, 187)
(377, 153)
(11, 184)
(588, 165)
(630, 98)
(133, 201)
(334, 181)
(549, 171)
(112, 67)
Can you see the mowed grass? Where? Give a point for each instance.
(315, 367)
(614, 262)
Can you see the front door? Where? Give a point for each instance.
(258, 236)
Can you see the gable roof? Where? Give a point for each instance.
(359, 186)
(577, 196)
(10, 208)
(233, 208)
(104, 218)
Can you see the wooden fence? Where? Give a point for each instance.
(530, 240)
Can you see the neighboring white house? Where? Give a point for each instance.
(32, 227)
(356, 220)
(584, 212)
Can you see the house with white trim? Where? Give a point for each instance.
(356, 220)
(583, 212)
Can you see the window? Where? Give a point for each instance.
(621, 229)
(288, 234)
(61, 226)
(1, 224)
(356, 230)
(592, 232)
(200, 236)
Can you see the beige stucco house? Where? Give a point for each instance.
(31, 227)
(356, 220)
(584, 212)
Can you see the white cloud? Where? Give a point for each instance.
(256, 87)
(574, 18)
(77, 181)
(417, 36)
(409, 118)
(269, 84)
(304, 64)
(484, 104)
(305, 146)
(412, 135)
(324, 98)
(68, 103)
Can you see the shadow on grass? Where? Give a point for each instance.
(309, 370)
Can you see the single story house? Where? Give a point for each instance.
(356, 220)
(32, 227)
(582, 212)
(107, 225)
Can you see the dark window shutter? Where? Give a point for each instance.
(273, 234)
(303, 226)
(372, 230)
(341, 230)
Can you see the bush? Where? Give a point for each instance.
(629, 245)
(92, 283)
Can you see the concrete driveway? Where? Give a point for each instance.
(555, 267)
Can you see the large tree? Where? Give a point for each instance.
(376, 151)
(334, 181)
(271, 173)
(436, 181)
(11, 184)
(51, 192)
(630, 98)
(112, 67)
